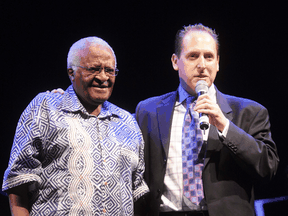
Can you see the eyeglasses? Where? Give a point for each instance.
(97, 70)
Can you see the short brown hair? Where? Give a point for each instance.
(197, 27)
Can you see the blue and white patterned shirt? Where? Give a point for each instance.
(76, 163)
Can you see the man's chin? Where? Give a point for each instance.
(101, 96)
(101, 99)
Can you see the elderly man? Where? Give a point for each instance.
(210, 172)
(76, 153)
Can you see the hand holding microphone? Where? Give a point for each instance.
(209, 111)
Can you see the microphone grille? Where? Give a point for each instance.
(201, 85)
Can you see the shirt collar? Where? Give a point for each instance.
(183, 94)
(71, 103)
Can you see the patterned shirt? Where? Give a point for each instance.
(77, 163)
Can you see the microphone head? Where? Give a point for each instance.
(201, 86)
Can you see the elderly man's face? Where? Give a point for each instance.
(93, 90)
(198, 60)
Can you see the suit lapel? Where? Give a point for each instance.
(164, 117)
(213, 137)
(224, 106)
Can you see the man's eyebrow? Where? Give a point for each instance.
(193, 52)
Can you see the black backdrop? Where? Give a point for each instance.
(35, 39)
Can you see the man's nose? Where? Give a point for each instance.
(201, 63)
(102, 75)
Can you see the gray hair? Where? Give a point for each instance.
(74, 55)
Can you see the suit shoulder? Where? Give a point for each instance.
(242, 103)
(154, 101)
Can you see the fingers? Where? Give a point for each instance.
(58, 90)
(204, 104)
(207, 106)
(209, 109)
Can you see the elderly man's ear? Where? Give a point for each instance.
(70, 72)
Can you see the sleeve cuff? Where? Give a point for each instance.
(223, 134)
(140, 191)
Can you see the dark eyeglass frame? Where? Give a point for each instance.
(97, 70)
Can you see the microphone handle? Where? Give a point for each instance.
(203, 118)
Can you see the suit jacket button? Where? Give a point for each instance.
(159, 194)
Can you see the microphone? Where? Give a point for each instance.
(202, 88)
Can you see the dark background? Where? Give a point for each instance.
(36, 37)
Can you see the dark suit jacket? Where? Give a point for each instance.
(231, 167)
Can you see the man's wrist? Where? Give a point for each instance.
(224, 132)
